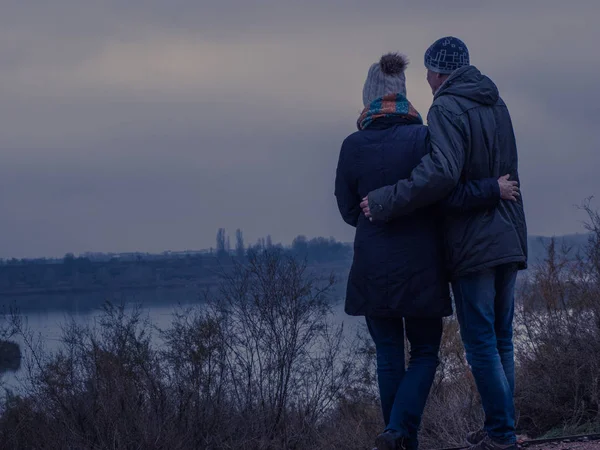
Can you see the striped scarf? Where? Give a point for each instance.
(392, 105)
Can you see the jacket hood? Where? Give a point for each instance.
(470, 83)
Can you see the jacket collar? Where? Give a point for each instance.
(389, 122)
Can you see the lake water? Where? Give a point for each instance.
(45, 316)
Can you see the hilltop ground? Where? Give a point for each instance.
(578, 445)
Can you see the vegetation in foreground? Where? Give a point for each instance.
(263, 366)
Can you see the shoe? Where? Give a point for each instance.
(488, 444)
(476, 437)
(390, 440)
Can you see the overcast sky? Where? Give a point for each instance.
(145, 125)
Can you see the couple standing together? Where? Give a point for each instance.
(433, 205)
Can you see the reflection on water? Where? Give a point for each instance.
(46, 316)
(10, 356)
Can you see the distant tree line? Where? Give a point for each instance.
(139, 270)
(318, 249)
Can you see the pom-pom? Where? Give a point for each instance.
(393, 64)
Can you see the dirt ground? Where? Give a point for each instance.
(589, 445)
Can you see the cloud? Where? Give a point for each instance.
(148, 125)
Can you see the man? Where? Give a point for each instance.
(471, 138)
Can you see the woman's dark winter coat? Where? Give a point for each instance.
(399, 267)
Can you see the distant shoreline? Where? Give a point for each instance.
(101, 289)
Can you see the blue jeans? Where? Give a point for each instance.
(404, 391)
(485, 304)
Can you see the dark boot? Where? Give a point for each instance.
(488, 444)
(390, 440)
(476, 437)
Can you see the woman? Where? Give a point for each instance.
(398, 279)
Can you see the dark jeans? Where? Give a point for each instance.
(404, 391)
(485, 304)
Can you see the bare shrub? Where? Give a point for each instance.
(558, 340)
(357, 417)
(557, 348)
(102, 390)
(260, 366)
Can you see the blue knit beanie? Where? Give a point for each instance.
(446, 55)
